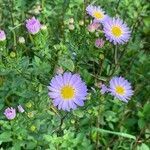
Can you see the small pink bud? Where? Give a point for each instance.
(99, 43)
(10, 113)
(20, 109)
(2, 35)
(33, 25)
(93, 26)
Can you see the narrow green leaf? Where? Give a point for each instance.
(115, 133)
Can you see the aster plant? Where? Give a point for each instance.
(67, 91)
(116, 31)
(68, 75)
(118, 87)
(97, 13)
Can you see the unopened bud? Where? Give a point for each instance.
(101, 56)
(71, 27)
(32, 128)
(71, 20)
(2, 35)
(81, 22)
(43, 27)
(12, 54)
(21, 40)
(59, 70)
(28, 105)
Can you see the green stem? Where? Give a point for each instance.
(31, 38)
(14, 37)
(43, 3)
(12, 19)
(116, 55)
(117, 6)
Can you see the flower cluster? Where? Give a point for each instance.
(33, 26)
(115, 30)
(10, 113)
(67, 90)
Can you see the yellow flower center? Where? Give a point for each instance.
(67, 92)
(116, 31)
(120, 90)
(98, 15)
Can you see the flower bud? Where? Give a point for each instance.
(71, 20)
(33, 25)
(59, 70)
(81, 22)
(32, 128)
(2, 35)
(43, 27)
(20, 109)
(89, 96)
(21, 40)
(28, 105)
(71, 27)
(99, 43)
(101, 56)
(93, 26)
(72, 121)
(12, 54)
(10, 113)
(30, 114)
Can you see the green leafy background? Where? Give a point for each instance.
(26, 70)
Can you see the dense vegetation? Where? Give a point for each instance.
(64, 43)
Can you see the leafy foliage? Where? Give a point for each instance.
(26, 70)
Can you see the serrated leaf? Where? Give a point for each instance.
(5, 137)
(68, 64)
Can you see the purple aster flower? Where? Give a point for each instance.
(99, 43)
(33, 25)
(120, 88)
(97, 13)
(2, 35)
(20, 109)
(10, 113)
(67, 91)
(116, 31)
(104, 89)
